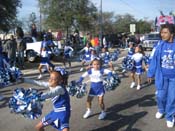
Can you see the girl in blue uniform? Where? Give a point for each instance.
(105, 56)
(162, 66)
(138, 67)
(67, 54)
(87, 55)
(131, 51)
(97, 89)
(59, 116)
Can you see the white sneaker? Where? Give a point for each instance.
(132, 85)
(158, 115)
(102, 115)
(138, 87)
(123, 71)
(81, 69)
(87, 114)
(170, 124)
(40, 76)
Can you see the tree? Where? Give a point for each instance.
(8, 9)
(122, 22)
(67, 14)
(143, 26)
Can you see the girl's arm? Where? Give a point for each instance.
(82, 77)
(81, 50)
(71, 48)
(34, 82)
(57, 91)
(6, 64)
(108, 72)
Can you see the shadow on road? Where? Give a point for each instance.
(120, 121)
(123, 120)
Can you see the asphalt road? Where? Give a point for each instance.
(127, 109)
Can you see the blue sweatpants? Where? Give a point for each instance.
(166, 98)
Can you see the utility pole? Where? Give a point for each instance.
(101, 29)
(40, 19)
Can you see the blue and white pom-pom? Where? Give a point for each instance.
(16, 73)
(26, 102)
(81, 57)
(112, 82)
(63, 71)
(114, 56)
(4, 77)
(9, 75)
(128, 63)
(77, 89)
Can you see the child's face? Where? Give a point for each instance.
(93, 52)
(103, 50)
(96, 65)
(130, 45)
(137, 49)
(54, 79)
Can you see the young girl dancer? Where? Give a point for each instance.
(97, 89)
(60, 115)
(87, 55)
(67, 54)
(138, 70)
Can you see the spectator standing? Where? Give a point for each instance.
(34, 31)
(11, 47)
(97, 44)
(21, 46)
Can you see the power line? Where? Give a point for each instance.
(134, 9)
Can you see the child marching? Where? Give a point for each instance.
(97, 89)
(137, 59)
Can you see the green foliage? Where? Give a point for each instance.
(122, 22)
(8, 9)
(143, 27)
(66, 14)
(70, 15)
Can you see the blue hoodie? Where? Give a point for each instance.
(155, 66)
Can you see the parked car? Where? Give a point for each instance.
(150, 39)
(33, 48)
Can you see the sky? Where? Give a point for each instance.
(140, 9)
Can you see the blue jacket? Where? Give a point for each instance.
(154, 69)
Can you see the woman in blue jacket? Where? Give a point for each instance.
(162, 67)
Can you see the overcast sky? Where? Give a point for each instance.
(138, 8)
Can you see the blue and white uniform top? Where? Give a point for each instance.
(130, 52)
(68, 51)
(87, 53)
(59, 95)
(96, 75)
(105, 56)
(168, 60)
(96, 78)
(93, 56)
(45, 44)
(138, 59)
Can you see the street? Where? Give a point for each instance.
(127, 109)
